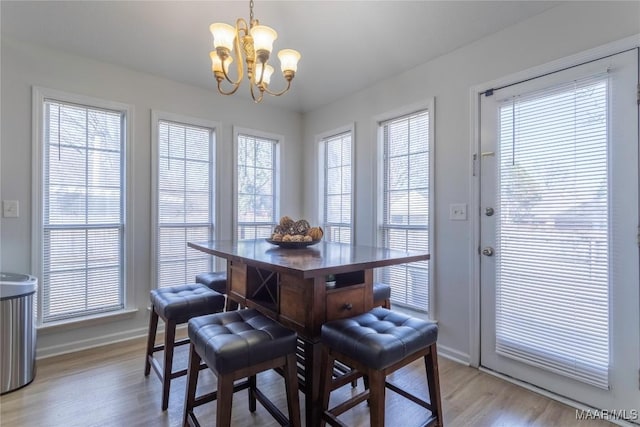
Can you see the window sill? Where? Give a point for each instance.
(65, 325)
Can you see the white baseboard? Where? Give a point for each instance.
(74, 346)
(454, 355)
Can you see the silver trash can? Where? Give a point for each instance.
(17, 331)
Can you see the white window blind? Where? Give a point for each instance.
(83, 211)
(552, 279)
(337, 199)
(406, 207)
(185, 201)
(256, 177)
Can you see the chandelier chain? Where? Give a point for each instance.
(250, 12)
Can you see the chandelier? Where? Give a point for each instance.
(253, 44)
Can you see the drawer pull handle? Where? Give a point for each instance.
(347, 306)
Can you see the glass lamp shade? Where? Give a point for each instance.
(289, 60)
(216, 63)
(263, 37)
(223, 35)
(266, 77)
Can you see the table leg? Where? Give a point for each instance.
(312, 374)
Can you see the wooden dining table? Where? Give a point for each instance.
(290, 286)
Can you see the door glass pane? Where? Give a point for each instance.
(552, 288)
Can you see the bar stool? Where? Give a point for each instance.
(382, 295)
(381, 298)
(377, 344)
(217, 280)
(240, 344)
(175, 305)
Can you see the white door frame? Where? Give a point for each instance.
(474, 158)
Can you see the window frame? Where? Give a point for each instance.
(322, 169)
(279, 139)
(158, 116)
(428, 105)
(39, 96)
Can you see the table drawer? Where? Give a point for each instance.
(345, 302)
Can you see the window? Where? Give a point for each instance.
(80, 207)
(184, 199)
(256, 178)
(336, 187)
(406, 146)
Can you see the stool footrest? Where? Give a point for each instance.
(210, 397)
(345, 378)
(160, 347)
(155, 364)
(409, 396)
(271, 408)
(348, 404)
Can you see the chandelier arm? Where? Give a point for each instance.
(281, 92)
(241, 25)
(231, 92)
(253, 95)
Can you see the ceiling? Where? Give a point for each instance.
(346, 46)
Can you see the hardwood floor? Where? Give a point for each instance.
(107, 387)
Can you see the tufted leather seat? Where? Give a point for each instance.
(239, 344)
(375, 344)
(239, 339)
(382, 295)
(175, 305)
(182, 302)
(216, 280)
(380, 337)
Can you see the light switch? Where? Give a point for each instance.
(10, 208)
(458, 212)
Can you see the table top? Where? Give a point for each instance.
(313, 261)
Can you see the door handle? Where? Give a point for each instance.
(488, 251)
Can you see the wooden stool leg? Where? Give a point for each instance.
(169, 342)
(225, 400)
(376, 398)
(230, 305)
(291, 384)
(433, 381)
(252, 393)
(151, 340)
(192, 382)
(326, 368)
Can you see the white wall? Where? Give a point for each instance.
(25, 65)
(564, 30)
(556, 33)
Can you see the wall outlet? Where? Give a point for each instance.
(10, 208)
(458, 212)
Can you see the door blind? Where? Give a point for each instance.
(185, 201)
(83, 202)
(337, 199)
(406, 207)
(552, 282)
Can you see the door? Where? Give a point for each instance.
(559, 233)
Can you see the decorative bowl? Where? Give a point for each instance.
(292, 245)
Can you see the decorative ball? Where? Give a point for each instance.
(316, 233)
(301, 227)
(286, 222)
